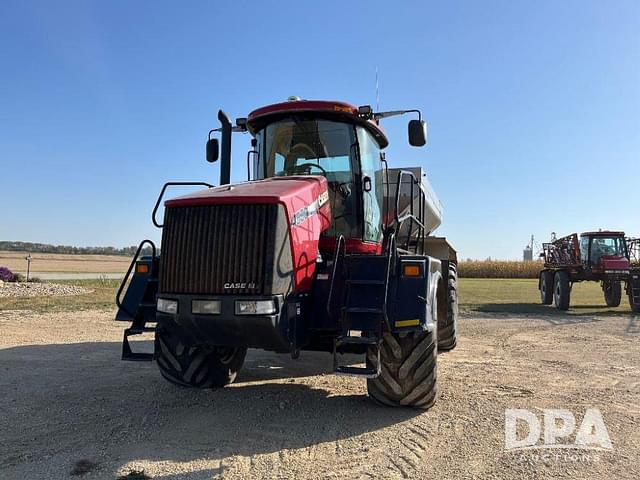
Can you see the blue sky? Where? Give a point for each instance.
(533, 107)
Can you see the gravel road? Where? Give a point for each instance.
(76, 276)
(66, 397)
(35, 289)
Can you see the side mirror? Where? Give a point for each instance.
(417, 133)
(212, 150)
(366, 184)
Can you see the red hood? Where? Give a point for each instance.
(614, 262)
(270, 190)
(306, 202)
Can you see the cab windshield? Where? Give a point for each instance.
(299, 146)
(311, 146)
(601, 246)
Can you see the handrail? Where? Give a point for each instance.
(410, 215)
(391, 253)
(172, 184)
(341, 248)
(633, 250)
(131, 265)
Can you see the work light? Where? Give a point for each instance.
(167, 306)
(255, 307)
(206, 307)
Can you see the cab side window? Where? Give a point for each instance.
(371, 179)
(584, 250)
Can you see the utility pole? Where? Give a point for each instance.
(28, 259)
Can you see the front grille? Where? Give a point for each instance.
(206, 247)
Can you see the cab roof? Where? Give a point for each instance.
(329, 109)
(603, 233)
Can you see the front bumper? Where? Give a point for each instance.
(269, 332)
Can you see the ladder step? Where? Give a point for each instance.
(363, 310)
(370, 371)
(139, 330)
(137, 357)
(367, 372)
(358, 340)
(127, 353)
(366, 282)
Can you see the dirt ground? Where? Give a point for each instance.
(66, 397)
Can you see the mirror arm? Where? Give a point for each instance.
(235, 129)
(395, 113)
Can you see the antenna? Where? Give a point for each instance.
(377, 92)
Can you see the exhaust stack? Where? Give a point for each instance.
(225, 148)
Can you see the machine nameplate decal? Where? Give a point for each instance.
(305, 212)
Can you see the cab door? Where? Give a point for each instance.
(371, 187)
(584, 251)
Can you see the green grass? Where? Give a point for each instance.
(521, 296)
(101, 298)
(477, 295)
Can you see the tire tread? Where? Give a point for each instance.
(194, 366)
(408, 370)
(448, 324)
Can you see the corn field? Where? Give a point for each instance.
(499, 269)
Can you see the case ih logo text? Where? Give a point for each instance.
(232, 285)
(523, 430)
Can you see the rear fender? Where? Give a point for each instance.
(432, 300)
(414, 304)
(439, 248)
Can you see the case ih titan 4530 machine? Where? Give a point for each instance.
(605, 257)
(323, 248)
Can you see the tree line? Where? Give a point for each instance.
(48, 248)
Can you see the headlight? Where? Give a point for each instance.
(255, 307)
(167, 306)
(206, 307)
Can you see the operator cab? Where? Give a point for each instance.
(340, 147)
(600, 248)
